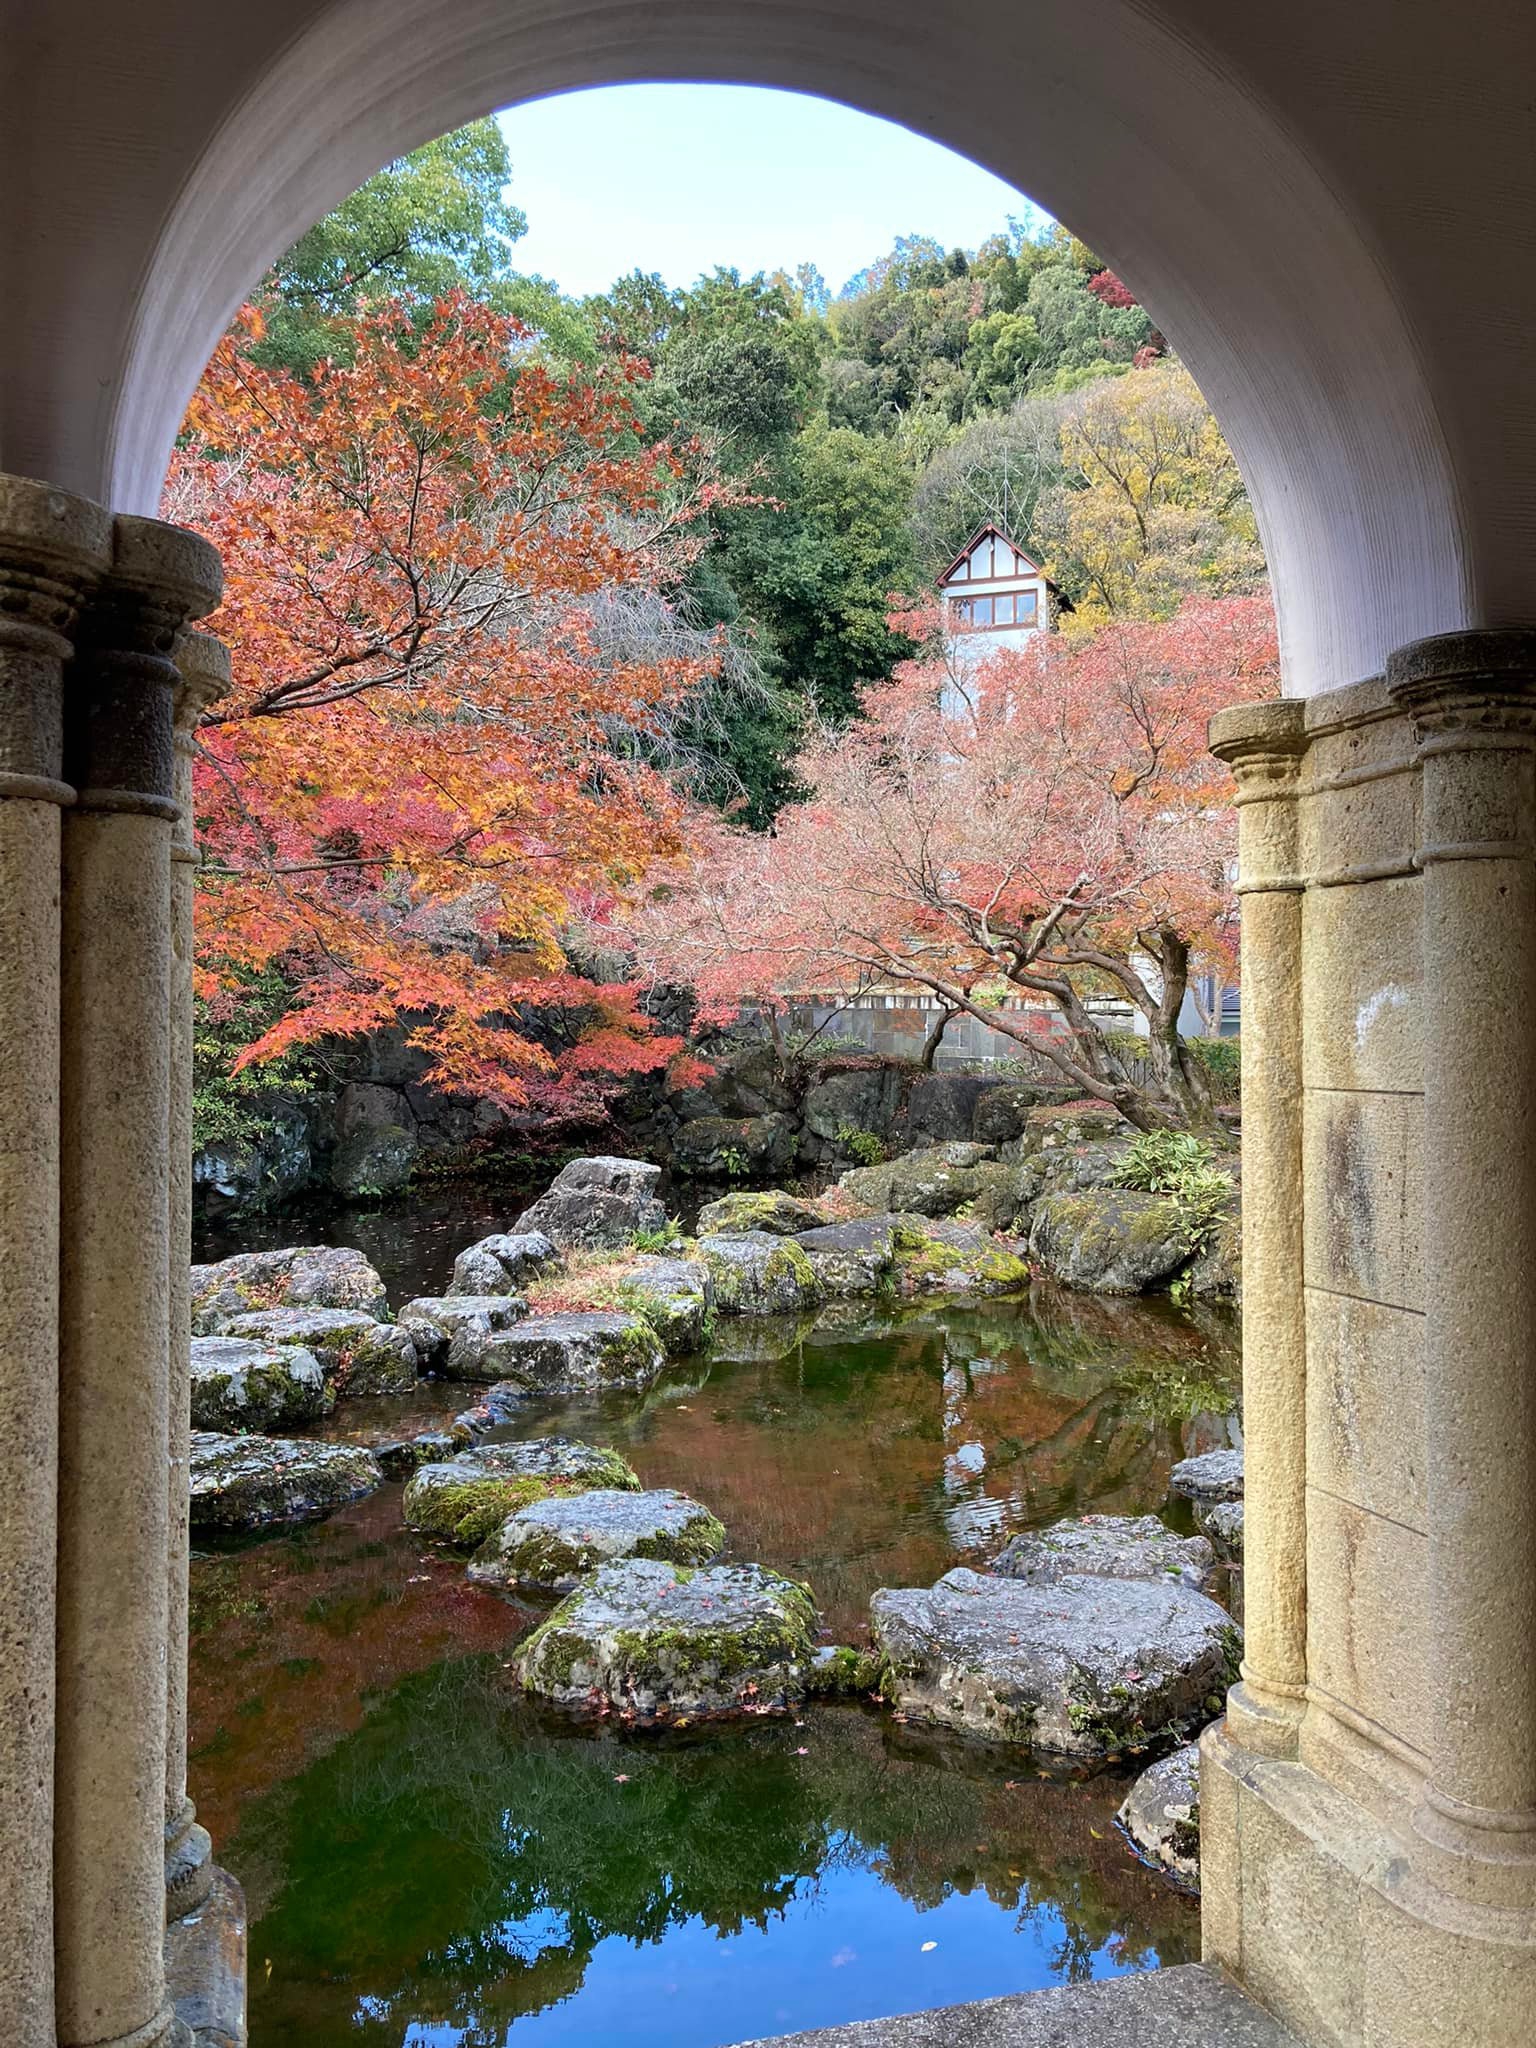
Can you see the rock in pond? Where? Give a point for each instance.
(597, 1204)
(501, 1263)
(939, 1179)
(770, 1209)
(655, 1639)
(1213, 1476)
(759, 1274)
(1110, 1240)
(299, 1276)
(573, 1353)
(935, 1256)
(467, 1498)
(838, 1671)
(1161, 1813)
(1107, 1547)
(238, 1384)
(550, 1545)
(851, 1259)
(246, 1482)
(678, 1295)
(400, 1456)
(356, 1354)
(1082, 1667)
(450, 1331)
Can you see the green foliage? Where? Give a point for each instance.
(734, 1162)
(865, 1146)
(665, 1238)
(1222, 1059)
(1181, 1166)
(238, 1108)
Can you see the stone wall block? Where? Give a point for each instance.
(1362, 983)
(1365, 1212)
(1367, 1621)
(1366, 1438)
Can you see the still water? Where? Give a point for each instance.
(430, 1860)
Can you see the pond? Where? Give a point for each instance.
(430, 1860)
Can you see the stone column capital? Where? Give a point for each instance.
(1262, 744)
(202, 678)
(54, 547)
(1465, 690)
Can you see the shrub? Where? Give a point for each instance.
(862, 1145)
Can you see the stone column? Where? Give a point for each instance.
(202, 663)
(1264, 745)
(52, 548)
(1472, 699)
(109, 1857)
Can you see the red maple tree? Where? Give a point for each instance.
(1019, 838)
(430, 770)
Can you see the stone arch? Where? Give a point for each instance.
(1161, 156)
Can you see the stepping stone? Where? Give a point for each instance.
(1107, 1547)
(597, 1204)
(356, 1354)
(298, 1276)
(500, 1264)
(572, 1353)
(247, 1482)
(1161, 1813)
(239, 1384)
(450, 1330)
(1216, 1476)
(1082, 1667)
(550, 1545)
(936, 1255)
(851, 1259)
(657, 1640)
(760, 1274)
(769, 1210)
(679, 1295)
(465, 1499)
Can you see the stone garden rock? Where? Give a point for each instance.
(678, 1296)
(1161, 1813)
(450, 1331)
(655, 1639)
(770, 1210)
(551, 1544)
(840, 1672)
(1212, 1477)
(1217, 1271)
(597, 1204)
(246, 1482)
(259, 1171)
(853, 1105)
(356, 1354)
(573, 1353)
(465, 1499)
(1223, 1524)
(851, 1259)
(1002, 1110)
(1110, 1240)
(939, 1256)
(1107, 1547)
(758, 1274)
(401, 1456)
(238, 1384)
(296, 1276)
(374, 1159)
(500, 1264)
(1081, 1667)
(939, 1180)
(942, 1107)
(722, 1148)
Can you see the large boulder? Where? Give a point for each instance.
(450, 1331)
(550, 1545)
(1161, 1813)
(247, 1482)
(656, 1639)
(851, 1259)
(1110, 1240)
(1217, 1271)
(941, 1108)
(573, 1353)
(1107, 1547)
(465, 1499)
(1223, 1525)
(726, 1148)
(851, 1105)
(1212, 1477)
(759, 1274)
(297, 1276)
(377, 1143)
(356, 1354)
(675, 1296)
(939, 1256)
(769, 1209)
(1080, 1667)
(1001, 1115)
(597, 1204)
(502, 1263)
(939, 1180)
(241, 1385)
(260, 1171)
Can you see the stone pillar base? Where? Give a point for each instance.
(1329, 1918)
(205, 1966)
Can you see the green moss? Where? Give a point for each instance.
(844, 1672)
(928, 1263)
(468, 1514)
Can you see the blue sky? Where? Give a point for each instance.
(678, 178)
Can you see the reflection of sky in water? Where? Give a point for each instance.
(851, 1945)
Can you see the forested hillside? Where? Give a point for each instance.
(849, 441)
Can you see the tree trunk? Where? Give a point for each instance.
(935, 1038)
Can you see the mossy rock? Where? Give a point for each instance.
(840, 1672)
(238, 1384)
(768, 1209)
(290, 1276)
(357, 1355)
(938, 1257)
(657, 1640)
(553, 1543)
(1110, 1240)
(466, 1499)
(676, 1296)
(573, 1353)
(249, 1482)
(760, 1274)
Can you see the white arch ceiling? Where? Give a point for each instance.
(1282, 187)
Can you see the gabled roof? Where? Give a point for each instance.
(981, 533)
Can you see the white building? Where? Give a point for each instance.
(994, 597)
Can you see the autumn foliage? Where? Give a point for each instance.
(427, 775)
(1016, 839)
